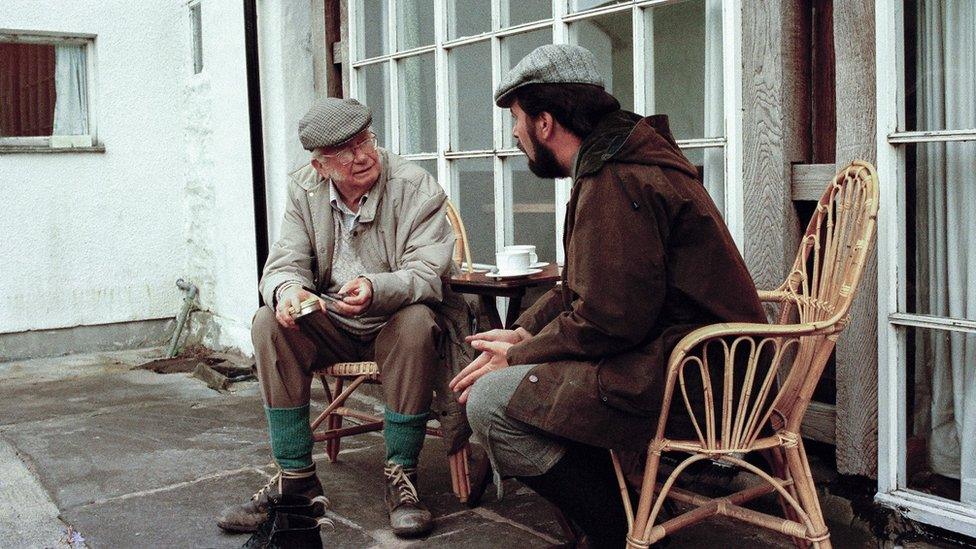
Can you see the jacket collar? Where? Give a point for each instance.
(308, 179)
(605, 142)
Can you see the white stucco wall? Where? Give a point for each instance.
(287, 91)
(95, 238)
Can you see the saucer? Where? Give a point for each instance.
(538, 264)
(507, 276)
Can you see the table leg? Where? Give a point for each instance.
(488, 302)
(514, 306)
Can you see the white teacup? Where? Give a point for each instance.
(512, 262)
(533, 258)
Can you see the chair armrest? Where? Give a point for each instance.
(773, 296)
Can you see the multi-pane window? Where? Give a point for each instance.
(44, 92)
(929, 262)
(428, 69)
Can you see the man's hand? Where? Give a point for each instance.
(517, 335)
(291, 298)
(359, 296)
(494, 356)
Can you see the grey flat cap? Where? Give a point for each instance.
(332, 121)
(550, 64)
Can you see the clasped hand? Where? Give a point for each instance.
(494, 346)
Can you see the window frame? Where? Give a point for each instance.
(893, 490)
(730, 142)
(43, 143)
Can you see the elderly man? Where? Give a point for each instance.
(365, 224)
(648, 259)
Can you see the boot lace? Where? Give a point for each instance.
(266, 489)
(406, 491)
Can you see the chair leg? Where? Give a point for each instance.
(647, 498)
(806, 491)
(334, 422)
(777, 463)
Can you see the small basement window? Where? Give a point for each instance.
(44, 93)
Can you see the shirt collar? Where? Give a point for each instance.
(336, 200)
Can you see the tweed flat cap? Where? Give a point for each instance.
(332, 121)
(550, 64)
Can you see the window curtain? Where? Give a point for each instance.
(71, 105)
(714, 161)
(946, 234)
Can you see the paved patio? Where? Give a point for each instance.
(130, 458)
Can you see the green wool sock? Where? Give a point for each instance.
(291, 436)
(404, 435)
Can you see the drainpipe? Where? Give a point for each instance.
(256, 134)
(190, 304)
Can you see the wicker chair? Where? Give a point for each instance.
(777, 367)
(368, 372)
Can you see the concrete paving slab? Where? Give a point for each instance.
(138, 459)
(28, 517)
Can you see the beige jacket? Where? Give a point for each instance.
(407, 213)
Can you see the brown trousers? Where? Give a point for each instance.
(405, 350)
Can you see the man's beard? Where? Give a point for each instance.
(545, 164)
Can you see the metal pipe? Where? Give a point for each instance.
(189, 305)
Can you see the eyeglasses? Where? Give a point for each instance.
(347, 155)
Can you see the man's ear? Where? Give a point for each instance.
(317, 164)
(544, 125)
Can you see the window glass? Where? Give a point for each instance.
(521, 12)
(43, 90)
(418, 122)
(429, 166)
(513, 49)
(581, 5)
(373, 35)
(467, 18)
(686, 80)
(374, 86)
(610, 39)
(415, 24)
(533, 208)
(476, 202)
(941, 58)
(471, 97)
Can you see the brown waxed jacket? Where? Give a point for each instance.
(648, 260)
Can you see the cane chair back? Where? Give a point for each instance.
(755, 381)
(358, 373)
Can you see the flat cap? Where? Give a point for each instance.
(550, 64)
(332, 121)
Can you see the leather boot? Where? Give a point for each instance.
(584, 487)
(408, 516)
(248, 517)
(289, 532)
(287, 504)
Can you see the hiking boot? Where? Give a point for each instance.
(287, 504)
(408, 516)
(285, 531)
(248, 516)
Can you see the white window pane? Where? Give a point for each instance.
(373, 38)
(580, 5)
(940, 432)
(429, 166)
(941, 193)
(711, 167)
(609, 38)
(418, 122)
(684, 43)
(519, 12)
(939, 42)
(467, 18)
(514, 48)
(471, 97)
(476, 202)
(415, 24)
(374, 92)
(533, 208)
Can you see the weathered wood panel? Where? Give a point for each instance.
(857, 350)
(819, 423)
(810, 180)
(775, 124)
